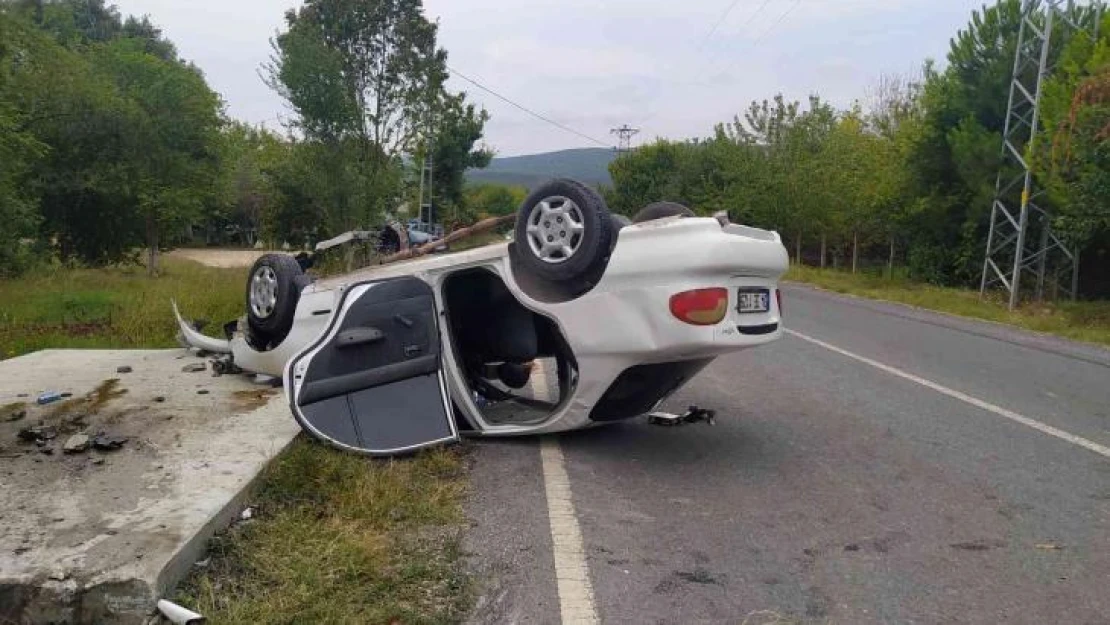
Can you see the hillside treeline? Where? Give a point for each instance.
(906, 177)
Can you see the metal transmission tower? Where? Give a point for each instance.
(624, 137)
(1021, 237)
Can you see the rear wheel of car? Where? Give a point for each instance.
(563, 231)
(659, 210)
(273, 290)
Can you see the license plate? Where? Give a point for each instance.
(753, 301)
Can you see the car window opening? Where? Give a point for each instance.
(517, 365)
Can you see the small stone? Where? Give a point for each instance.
(200, 564)
(111, 532)
(49, 451)
(58, 575)
(15, 415)
(124, 369)
(194, 367)
(852, 547)
(67, 395)
(246, 514)
(98, 460)
(202, 391)
(159, 399)
(76, 444)
(108, 442)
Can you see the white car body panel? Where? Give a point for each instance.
(621, 322)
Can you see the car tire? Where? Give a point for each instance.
(563, 231)
(659, 210)
(274, 287)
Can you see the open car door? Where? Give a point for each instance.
(372, 382)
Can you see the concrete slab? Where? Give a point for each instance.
(98, 536)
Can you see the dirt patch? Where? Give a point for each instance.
(250, 399)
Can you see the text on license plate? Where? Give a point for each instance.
(753, 301)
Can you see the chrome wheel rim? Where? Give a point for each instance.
(554, 229)
(264, 288)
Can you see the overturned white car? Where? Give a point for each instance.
(583, 319)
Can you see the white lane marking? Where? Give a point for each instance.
(572, 576)
(978, 403)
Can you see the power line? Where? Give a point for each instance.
(720, 20)
(526, 109)
(770, 28)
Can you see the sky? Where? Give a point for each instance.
(672, 68)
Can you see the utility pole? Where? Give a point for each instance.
(1020, 237)
(624, 137)
(428, 183)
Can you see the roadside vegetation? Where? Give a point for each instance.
(338, 538)
(58, 306)
(905, 177)
(1080, 321)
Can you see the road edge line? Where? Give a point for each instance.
(572, 575)
(1044, 428)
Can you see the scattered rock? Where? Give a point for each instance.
(108, 442)
(15, 414)
(124, 369)
(851, 547)
(49, 451)
(37, 433)
(22, 395)
(159, 399)
(202, 391)
(216, 374)
(246, 514)
(194, 367)
(67, 395)
(200, 564)
(76, 444)
(98, 460)
(58, 575)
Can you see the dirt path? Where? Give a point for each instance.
(220, 258)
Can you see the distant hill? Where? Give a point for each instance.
(587, 165)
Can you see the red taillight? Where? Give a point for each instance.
(700, 307)
(778, 300)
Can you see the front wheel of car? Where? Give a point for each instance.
(563, 232)
(273, 289)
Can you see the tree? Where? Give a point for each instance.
(364, 79)
(458, 126)
(172, 152)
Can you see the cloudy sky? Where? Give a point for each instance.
(591, 65)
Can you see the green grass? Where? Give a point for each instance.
(335, 538)
(112, 307)
(339, 538)
(1081, 321)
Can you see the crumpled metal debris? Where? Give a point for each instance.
(693, 414)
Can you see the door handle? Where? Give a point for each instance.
(358, 336)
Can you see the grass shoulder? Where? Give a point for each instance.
(338, 538)
(1080, 321)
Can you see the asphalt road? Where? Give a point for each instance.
(830, 490)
